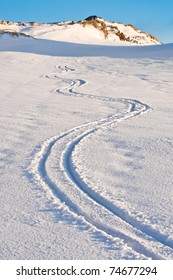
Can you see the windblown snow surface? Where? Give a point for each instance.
(86, 150)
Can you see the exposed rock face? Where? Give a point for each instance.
(93, 18)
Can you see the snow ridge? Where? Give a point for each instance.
(93, 30)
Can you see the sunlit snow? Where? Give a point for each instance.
(86, 150)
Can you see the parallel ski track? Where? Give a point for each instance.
(77, 134)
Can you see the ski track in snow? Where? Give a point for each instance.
(82, 201)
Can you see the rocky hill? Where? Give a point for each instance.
(92, 30)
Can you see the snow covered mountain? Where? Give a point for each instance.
(92, 30)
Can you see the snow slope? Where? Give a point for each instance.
(93, 30)
(62, 48)
(86, 150)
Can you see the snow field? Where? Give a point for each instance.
(84, 173)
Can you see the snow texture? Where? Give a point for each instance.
(86, 150)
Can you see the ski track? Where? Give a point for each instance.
(139, 237)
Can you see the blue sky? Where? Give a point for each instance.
(152, 16)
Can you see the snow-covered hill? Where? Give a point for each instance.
(86, 143)
(93, 30)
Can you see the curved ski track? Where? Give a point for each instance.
(82, 201)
